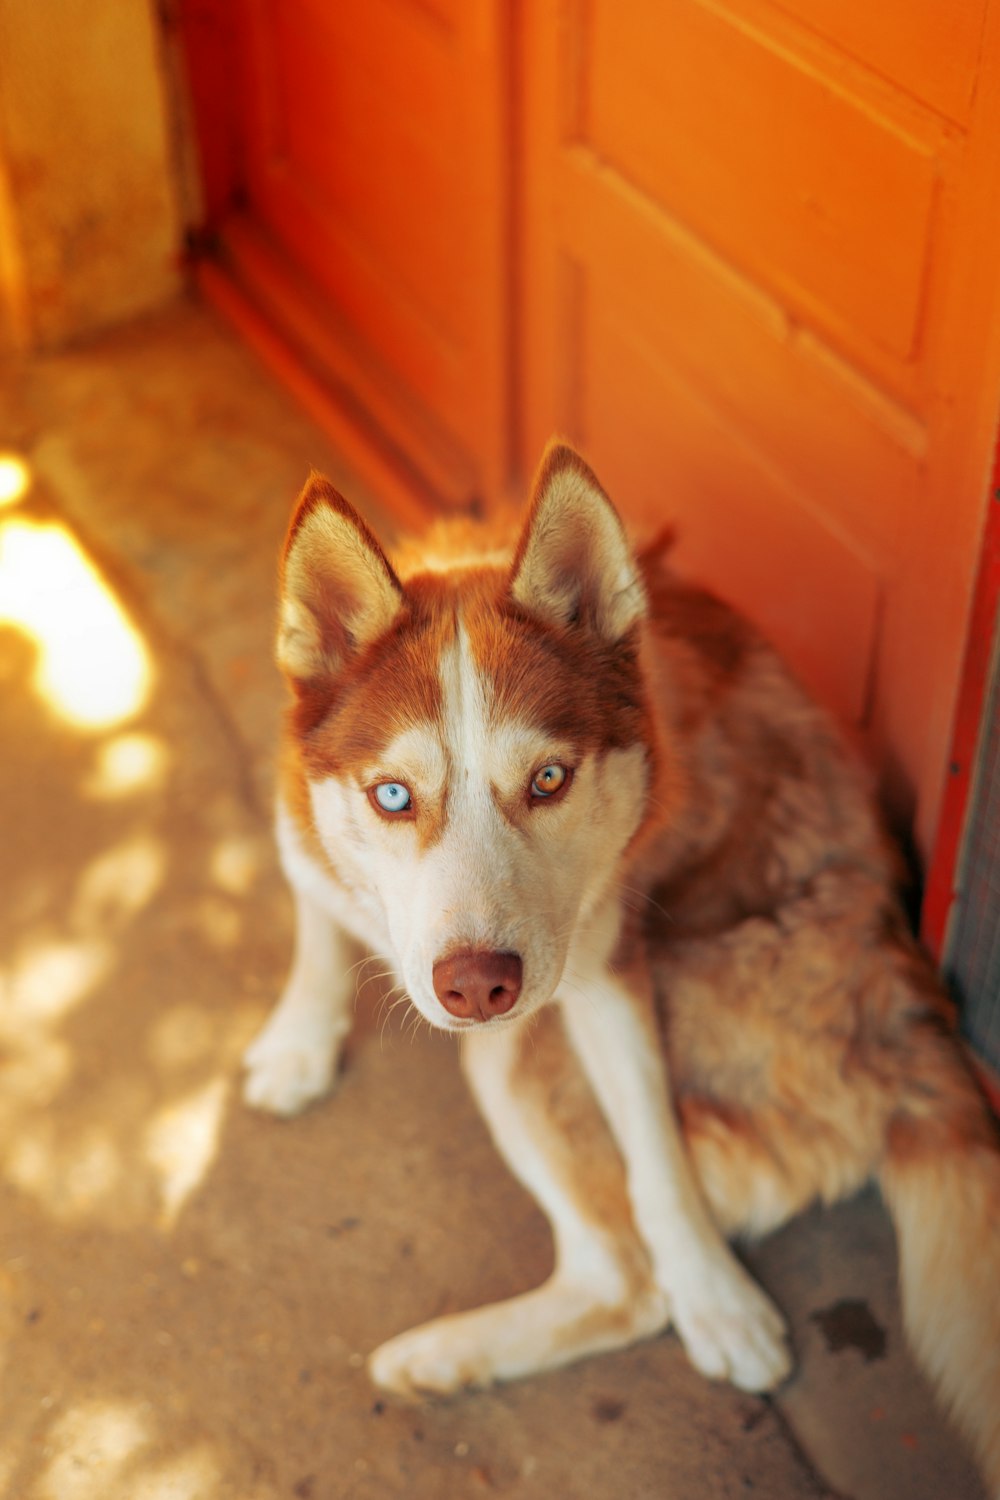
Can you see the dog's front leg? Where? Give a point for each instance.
(291, 1062)
(730, 1329)
(600, 1294)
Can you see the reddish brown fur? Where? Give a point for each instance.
(599, 702)
(808, 1039)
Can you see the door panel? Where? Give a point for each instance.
(792, 180)
(758, 294)
(848, 449)
(931, 49)
(770, 554)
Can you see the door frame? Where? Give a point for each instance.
(398, 448)
(982, 640)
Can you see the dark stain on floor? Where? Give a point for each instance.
(607, 1409)
(849, 1325)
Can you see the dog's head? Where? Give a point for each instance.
(475, 736)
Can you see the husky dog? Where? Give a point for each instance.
(598, 830)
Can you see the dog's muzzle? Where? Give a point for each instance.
(473, 985)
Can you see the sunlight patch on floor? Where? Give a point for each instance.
(128, 764)
(146, 1167)
(94, 1443)
(49, 978)
(190, 1476)
(118, 884)
(101, 1451)
(181, 1037)
(142, 1173)
(93, 667)
(181, 1144)
(235, 865)
(15, 479)
(36, 1067)
(70, 1179)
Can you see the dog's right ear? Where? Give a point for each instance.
(573, 563)
(338, 591)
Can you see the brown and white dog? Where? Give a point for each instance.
(598, 829)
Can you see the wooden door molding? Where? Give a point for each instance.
(357, 220)
(980, 653)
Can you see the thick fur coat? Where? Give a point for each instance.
(597, 828)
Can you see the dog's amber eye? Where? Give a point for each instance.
(549, 780)
(391, 797)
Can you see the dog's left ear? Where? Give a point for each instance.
(573, 564)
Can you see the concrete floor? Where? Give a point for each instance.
(187, 1290)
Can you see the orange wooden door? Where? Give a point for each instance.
(354, 165)
(761, 291)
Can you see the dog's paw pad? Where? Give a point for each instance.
(736, 1335)
(284, 1076)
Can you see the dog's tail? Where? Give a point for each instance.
(940, 1176)
(921, 1127)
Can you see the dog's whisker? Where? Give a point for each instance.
(389, 1012)
(645, 900)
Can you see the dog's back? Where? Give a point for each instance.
(810, 1042)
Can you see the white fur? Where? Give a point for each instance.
(730, 1329)
(485, 883)
(540, 885)
(292, 1061)
(537, 1330)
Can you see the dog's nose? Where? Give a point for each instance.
(476, 986)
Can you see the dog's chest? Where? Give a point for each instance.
(352, 908)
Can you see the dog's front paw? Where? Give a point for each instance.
(731, 1329)
(289, 1067)
(433, 1360)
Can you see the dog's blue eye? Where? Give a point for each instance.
(549, 780)
(392, 796)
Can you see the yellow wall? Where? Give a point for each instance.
(89, 228)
